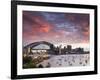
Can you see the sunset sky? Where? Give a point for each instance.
(56, 28)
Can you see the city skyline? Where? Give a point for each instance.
(57, 28)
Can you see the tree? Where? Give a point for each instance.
(40, 66)
(27, 60)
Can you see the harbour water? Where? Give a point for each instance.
(66, 60)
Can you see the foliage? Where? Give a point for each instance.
(29, 65)
(27, 60)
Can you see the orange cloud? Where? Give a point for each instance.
(86, 31)
(45, 29)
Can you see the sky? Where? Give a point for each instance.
(57, 28)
